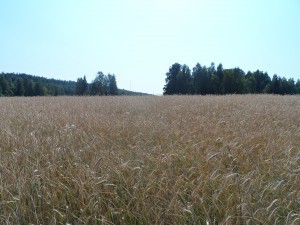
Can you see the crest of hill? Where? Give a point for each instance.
(21, 84)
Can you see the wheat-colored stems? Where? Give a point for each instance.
(150, 160)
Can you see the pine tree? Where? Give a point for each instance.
(171, 80)
(20, 90)
(113, 89)
(81, 86)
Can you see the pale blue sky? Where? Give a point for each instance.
(139, 40)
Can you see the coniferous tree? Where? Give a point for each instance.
(184, 80)
(249, 83)
(84, 85)
(30, 88)
(113, 89)
(297, 87)
(233, 81)
(204, 81)
(171, 80)
(275, 85)
(4, 85)
(81, 86)
(196, 75)
(225, 81)
(19, 90)
(216, 80)
(287, 86)
(261, 80)
(39, 89)
(105, 85)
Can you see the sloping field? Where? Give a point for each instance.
(150, 160)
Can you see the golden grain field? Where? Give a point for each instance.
(150, 160)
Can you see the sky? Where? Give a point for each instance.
(138, 40)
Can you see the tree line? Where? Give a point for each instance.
(204, 80)
(101, 85)
(13, 84)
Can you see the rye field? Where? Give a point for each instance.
(207, 160)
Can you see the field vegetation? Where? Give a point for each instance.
(232, 159)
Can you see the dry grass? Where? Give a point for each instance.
(150, 160)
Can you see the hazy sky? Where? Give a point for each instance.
(139, 40)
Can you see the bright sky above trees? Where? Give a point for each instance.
(139, 40)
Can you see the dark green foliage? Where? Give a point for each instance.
(298, 87)
(201, 80)
(179, 80)
(81, 86)
(208, 80)
(283, 86)
(216, 79)
(184, 80)
(104, 85)
(6, 86)
(39, 89)
(12, 84)
(27, 85)
(98, 85)
(171, 80)
(233, 81)
(256, 82)
(113, 88)
(19, 87)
